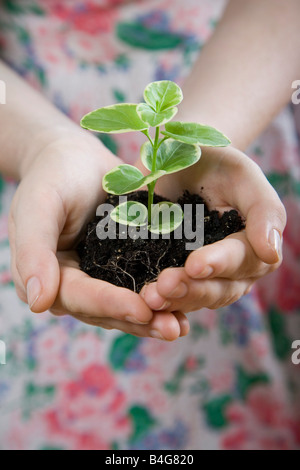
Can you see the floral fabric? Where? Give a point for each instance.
(231, 383)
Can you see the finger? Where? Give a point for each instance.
(264, 212)
(18, 283)
(264, 228)
(183, 322)
(35, 225)
(212, 293)
(81, 294)
(173, 284)
(232, 258)
(165, 326)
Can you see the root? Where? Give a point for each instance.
(122, 266)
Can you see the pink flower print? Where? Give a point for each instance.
(291, 233)
(49, 43)
(50, 347)
(148, 387)
(262, 423)
(51, 370)
(90, 49)
(129, 146)
(282, 287)
(92, 20)
(208, 318)
(95, 21)
(85, 351)
(287, 293)
(51, 342)
(235, 439)
(88, 441)
(236, 413)
(195, 18)
(222, 381)
(5, 277)
(97, 379)
(191, 363)
(91, 410)
(267, 409)
(259, 347)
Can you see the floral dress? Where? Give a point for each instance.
(230, 384)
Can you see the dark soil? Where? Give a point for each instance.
(132, 263)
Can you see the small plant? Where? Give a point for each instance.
(176, 149)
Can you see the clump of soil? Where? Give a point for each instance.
(132, 263)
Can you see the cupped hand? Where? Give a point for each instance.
(58, 194)
(219, 274)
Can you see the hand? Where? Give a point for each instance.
(57, 196)
(217, 275)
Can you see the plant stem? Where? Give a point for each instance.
(162, 141)
(151, 186)
(155, 149)
(146, 133)
(150, 200)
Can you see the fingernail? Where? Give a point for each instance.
(276, 242)
(165, 306)
(206, 272)
(135, 321)
(156, 334)
(34, 290)
(143, 292)
(184, 325)
(180, 291)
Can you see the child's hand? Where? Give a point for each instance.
(57, 196)
(219, 274)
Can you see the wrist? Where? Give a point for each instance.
(61, 141)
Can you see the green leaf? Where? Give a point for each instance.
(51, 447)
(119, 95)
(13, 7)
(37, 10)
(172, 156)
(166, 217)
(163, 95)
(24, 37)
(121, 350)
(215, 411)
(246, 381)
(284, 183)
(142, 37)
(154, 119)
(142, 422)
(130, 213)
(280, 337)
(192, 133)
(109, 142)
(125, 179)
(118, 118)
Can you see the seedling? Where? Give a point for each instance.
(168, 151)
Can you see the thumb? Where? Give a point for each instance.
(36, 229)
(265, 225)
(264, 212)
